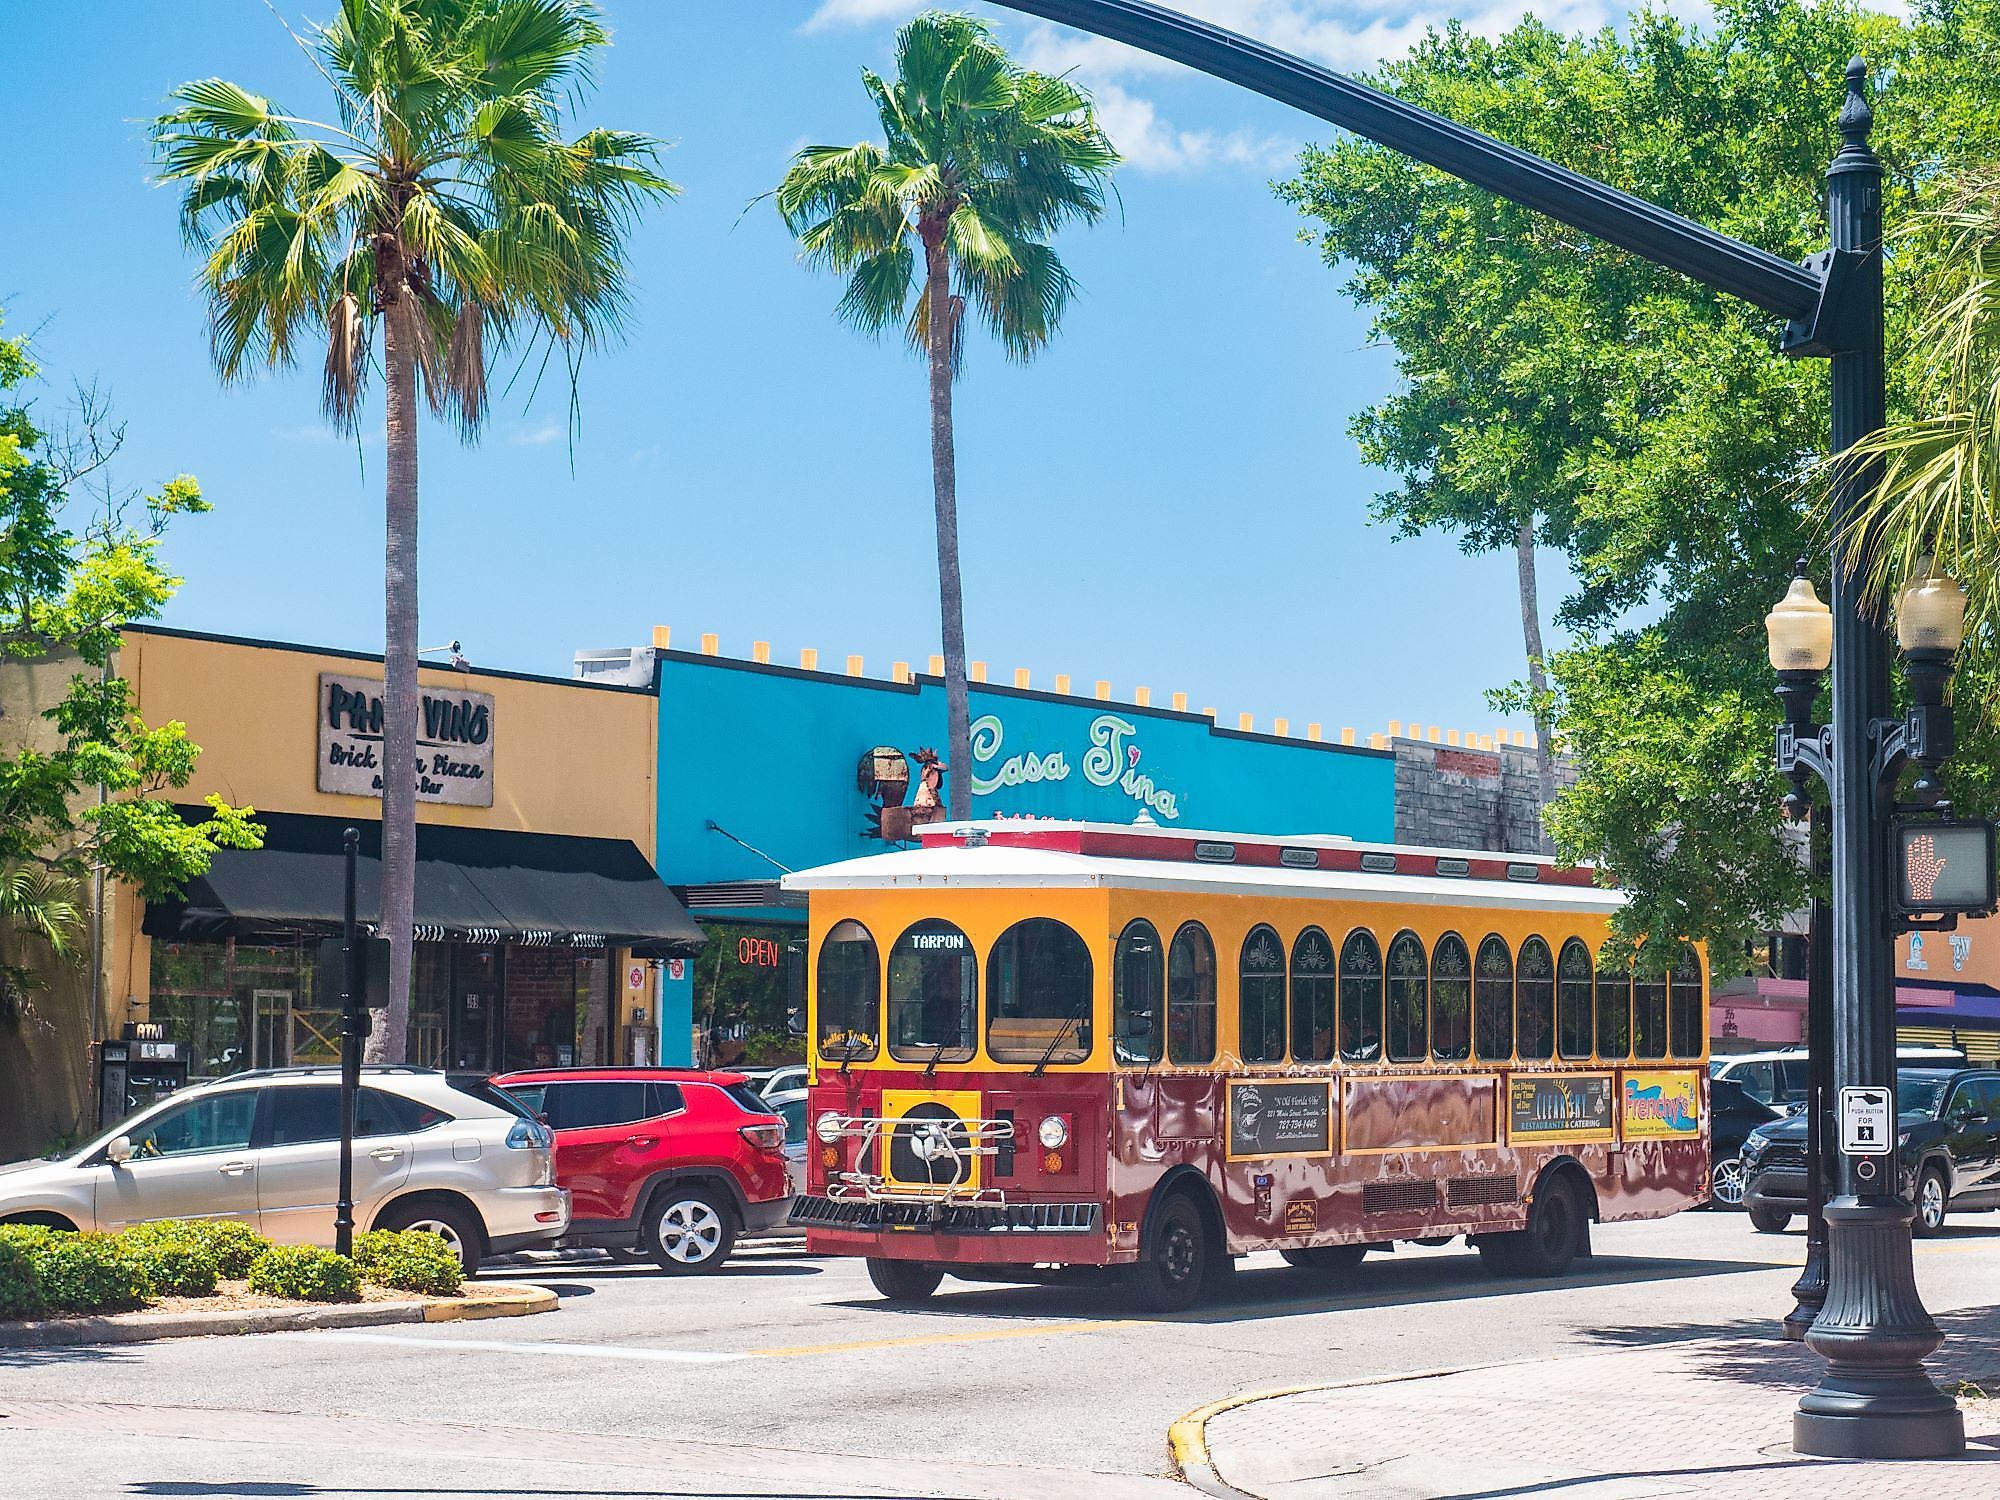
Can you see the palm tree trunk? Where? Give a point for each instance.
(1538, 677)
(944, 490)
(390, 1039)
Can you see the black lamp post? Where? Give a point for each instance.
(1874, 1401)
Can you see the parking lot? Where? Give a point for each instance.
(785, 1373)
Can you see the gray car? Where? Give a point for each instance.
(452, 1155)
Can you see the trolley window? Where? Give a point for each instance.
(1361, 998)
(1684, 1026)
(1614, 1012)
(1138, 993)
(1451, 999)
(1649, 1014)
(1573, 1000)
(933, 994)
(1191, 996)
(1535, 1001)
(1260, 998)
(1312, 997)
(850, 993)
(1409, 998)
(1493, 1001)
(1038, 994)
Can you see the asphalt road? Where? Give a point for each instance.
(786, 1375)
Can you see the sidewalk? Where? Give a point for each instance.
(1661, 1412)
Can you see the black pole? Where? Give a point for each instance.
(1874, 1401)
(1809, 1291)
(350, 1050)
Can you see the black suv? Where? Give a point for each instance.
(1947, 1147)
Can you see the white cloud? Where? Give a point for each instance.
(535, 437)
(1349, 35)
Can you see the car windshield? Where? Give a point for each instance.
(1920, 1093)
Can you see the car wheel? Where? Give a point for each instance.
(1725, 1182)
(1326, 1257)
(688, 1232)
(459, 1229)
(1933, 1199)
(1170, 1278)
(904, 1281)
(1770, 1220)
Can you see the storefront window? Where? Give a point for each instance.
(850, 994)
(1138, 993)
(1038, 994)
(933, 994)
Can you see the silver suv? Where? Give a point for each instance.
(432, 1151)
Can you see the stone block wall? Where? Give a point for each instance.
(1451, 797)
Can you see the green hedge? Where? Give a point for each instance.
(305, 1272)
(177, 1255)
(411, 1260)
(86, 1273)
(20, 1287)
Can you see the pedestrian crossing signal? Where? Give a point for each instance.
(1944, 866)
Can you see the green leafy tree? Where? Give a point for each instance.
(980, 163)
(442, 212)
(1650, 427)
(76, 563)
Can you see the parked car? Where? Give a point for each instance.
(791, 1107)
(1732, 1115)
(1780, 1078)
(673, 1163)
(432, 1151)
(1947, 1150)
(779, 1080)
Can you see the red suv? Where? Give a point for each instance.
(668, 1161)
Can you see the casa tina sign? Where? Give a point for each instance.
(454, 742)
(1110, 760)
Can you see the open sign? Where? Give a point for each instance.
(758, 953)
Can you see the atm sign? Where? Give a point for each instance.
(758, 953)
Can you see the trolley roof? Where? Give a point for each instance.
(1047, 854)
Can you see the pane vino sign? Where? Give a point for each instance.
(454, 742)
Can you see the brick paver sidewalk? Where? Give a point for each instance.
(1708, 1416)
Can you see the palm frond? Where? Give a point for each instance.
(346, 363)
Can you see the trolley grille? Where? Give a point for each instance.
(1405, 1197)
(948, 1218)
(1488, 1187)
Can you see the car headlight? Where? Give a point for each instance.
(827, 1128)
(1754, 1148)
(1054, 1132)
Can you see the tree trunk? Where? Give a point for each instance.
(944, 488)
(1538, 677)
(390, 1040)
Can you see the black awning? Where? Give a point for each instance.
(471, 882)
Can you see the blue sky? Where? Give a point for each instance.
(1167, 497)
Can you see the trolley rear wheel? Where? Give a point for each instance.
(904, 1280)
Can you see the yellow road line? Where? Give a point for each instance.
(978, 1336)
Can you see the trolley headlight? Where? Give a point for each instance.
(1054, 1132)
(827, 1128)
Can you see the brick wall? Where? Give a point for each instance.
(1453, 798)
(541, 982)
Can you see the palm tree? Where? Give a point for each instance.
(442, 207)
(1939, 495)
(981, 161)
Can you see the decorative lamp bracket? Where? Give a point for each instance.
(1834, 326)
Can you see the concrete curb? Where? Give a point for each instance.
(140, 1328)
(1187, 1439)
